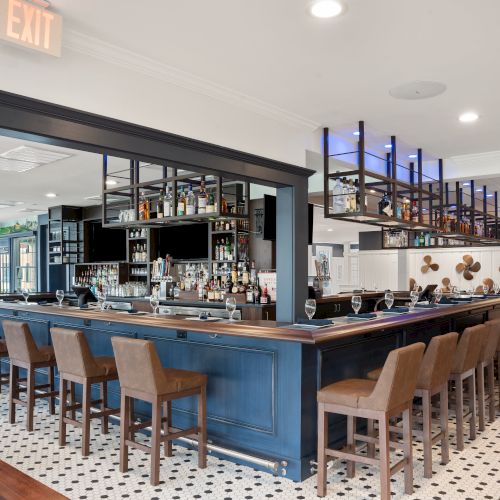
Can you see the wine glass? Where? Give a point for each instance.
(154, 300)
(486, 289)
(356, 302)
(414, 296)
(25, 293)
(496, 288)
(389, 299)
(437, 295)
(310, 308)
(60, 296)
(455, 291)
(230, 307)
(101, 299)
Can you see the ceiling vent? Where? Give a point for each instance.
(31, 210)
(24, 158)
(418, 90)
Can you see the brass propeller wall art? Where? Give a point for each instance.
(429, 265)
(446, 285)
(467, 267)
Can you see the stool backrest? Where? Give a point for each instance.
(139, 366)
(20, 343)
(73, 354)
(398, 379)
(469, 348)
(493, 344)
(437, 361)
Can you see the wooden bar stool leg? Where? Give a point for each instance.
(351, 429)
(130, 406)
(491, 390)
(124, 431)
(30, 393)
(459, 410)
(472, 399)
(408, 449)
(86, 418)
(443, 417)
(167, 414)
(104, 405)
(370, 431)
(155, 443)
(427, 433)
(52, 398)
(322, 444)
(13, 392)
(63, 395)
(72, 399)
(385, 464)
(480, 395)
(202, 428)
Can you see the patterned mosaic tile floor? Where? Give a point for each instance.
(472, 474)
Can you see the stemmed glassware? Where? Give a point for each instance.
(310, 308)
(154, 300)
(101, 299)
(231, 307)
(389, 299)
(414, 296)
(356, 302)
(25, 293)
(455, 291)
(438, 294)
(60, 296)
(486, 289)
(496, 288)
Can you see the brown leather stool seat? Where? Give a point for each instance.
(464, 369)
(390, 396)
(487, 362)
(77, 365)
(24, 353)
(432, 380)
(4, 377)
(142, 377)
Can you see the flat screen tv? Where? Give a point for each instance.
(106, 245)
(269, 230)
(188, 241)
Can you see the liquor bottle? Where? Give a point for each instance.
(352, 196)
(202, 199)
(385, 206)
(245, 276)
(228, 250)
(358, 196)
(414, 211)
(159, 206)
(264, 298)
(223, 205)
(190, 202)
(181, 202)
(216, 250)
(222, 248)
(249, 294)
(234, 278)
(421, 240)
(168, 204)
(338, 200)
(345, 196)
(142, 207)
(210, 203)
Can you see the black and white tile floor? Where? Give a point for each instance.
(472, 474)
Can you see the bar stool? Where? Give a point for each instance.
(4, 377)
(487, 362)
(464, 368)
(432, 380)
(24, 353)
(496, 324)
(77, 366)
(142, 377)
(390, 396)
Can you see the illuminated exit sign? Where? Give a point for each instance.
(28, 25)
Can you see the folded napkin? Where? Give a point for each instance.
(447, 301)
(315, 322)
(426, 306)
(362, 315)
(42, 303)
(397, 309)
(459, 299)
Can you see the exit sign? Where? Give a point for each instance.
(28, 25)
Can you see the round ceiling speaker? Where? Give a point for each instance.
(417, 90)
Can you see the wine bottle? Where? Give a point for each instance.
(202, 199)
(159, 206)
(190, 202)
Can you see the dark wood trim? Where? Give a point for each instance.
(40, 121)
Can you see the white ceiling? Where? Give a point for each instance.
(330, 72)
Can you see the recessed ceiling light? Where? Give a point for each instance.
(51, 195)
(490, 195)
(111, 182)
(325, 9)
(412, 157)
(468, 117)
(356, 133)
(466, 184)
(479, 190)
(372, 191)
(388, 146)
(330, 230)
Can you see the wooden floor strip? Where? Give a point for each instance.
(15, 485)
